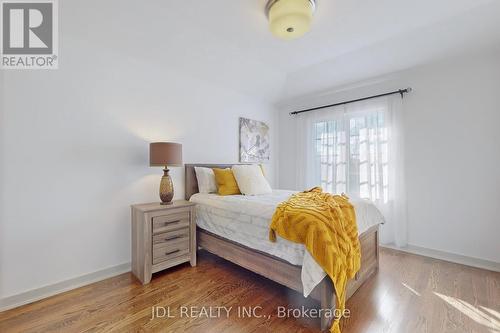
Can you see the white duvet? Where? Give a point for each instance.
(245, 220)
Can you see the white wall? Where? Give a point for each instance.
(453, 150)
(75, 152)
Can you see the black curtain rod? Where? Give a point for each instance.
(400, 91)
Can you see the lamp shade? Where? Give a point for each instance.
(165, 154)
(289, 19)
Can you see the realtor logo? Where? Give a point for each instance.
(29, 34)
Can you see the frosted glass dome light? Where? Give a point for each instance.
(289, 19)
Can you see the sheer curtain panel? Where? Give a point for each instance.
(357, 149)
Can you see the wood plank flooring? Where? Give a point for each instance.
(409, 294)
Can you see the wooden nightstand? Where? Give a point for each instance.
(162, 236)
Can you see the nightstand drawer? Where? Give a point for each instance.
(170, 250)
(171, 236)
(166, 223)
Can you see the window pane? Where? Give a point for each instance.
(353, 158)
(330, 151)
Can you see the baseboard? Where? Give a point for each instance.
(34, 295)
(451, 257)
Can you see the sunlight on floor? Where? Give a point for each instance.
(483, 316)
(410, 289)
(493, 312)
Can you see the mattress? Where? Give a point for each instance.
(245, 220)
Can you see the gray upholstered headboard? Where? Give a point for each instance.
(191, 183)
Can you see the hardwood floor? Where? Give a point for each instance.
(409, 294)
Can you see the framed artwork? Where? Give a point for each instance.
(254, 141)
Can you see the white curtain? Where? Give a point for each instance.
(357, 149)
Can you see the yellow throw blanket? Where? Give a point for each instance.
(326, 225)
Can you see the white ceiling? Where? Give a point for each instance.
(227, 42)
(468, 32)
(340, 26)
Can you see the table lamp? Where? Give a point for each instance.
(165, 154)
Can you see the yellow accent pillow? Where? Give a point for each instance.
(226, 183)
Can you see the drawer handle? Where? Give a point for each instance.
(173, 237)
(171, 252)
(172, 222)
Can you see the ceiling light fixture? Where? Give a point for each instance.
(289, 19)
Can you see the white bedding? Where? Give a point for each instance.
(246, 219)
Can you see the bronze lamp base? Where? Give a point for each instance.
(166, 188)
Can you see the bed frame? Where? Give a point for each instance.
(277, 269)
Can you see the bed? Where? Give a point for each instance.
(244, 240)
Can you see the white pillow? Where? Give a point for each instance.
(251, 180)
(206, 180)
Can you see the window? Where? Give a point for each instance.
(358, 149)
(351, 154)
